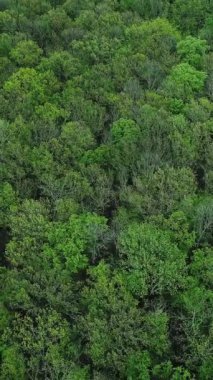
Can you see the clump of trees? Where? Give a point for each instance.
(106, 179)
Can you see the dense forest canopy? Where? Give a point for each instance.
(106, 180)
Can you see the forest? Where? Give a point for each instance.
(106, 184)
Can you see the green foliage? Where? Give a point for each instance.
(26, 53)
(12, 365)
(28, 86)
(106, 182)
(155, 264)
(62, 63)
(190, 15)
(8, 203)
(207, 31)
(184, 81)
(75, 139)
(192, 50)
(5, 44)
(124, 136)
(157, 39)
(167, 371)
(81, 235)
(138, 367)
(160, 192)
(202, 265)
(48, 351)
(110, 308)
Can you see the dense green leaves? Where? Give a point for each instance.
(154, 264)
(26, 53)
(184, 81)
(106, 179)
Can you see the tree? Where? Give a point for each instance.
(192, 50)
(184, 81)
(8, 203)
(147, 9)
(138, 366)
(62, 64)
(190, 16)
(196, 325)
(27, 86)
(201, 266)
(206, 32)
(12, 364)
(103, 298)
(160, 192)
(157, 39)
(82, 110)
(26, 53)
(15, 140)
(155, 264)
(204, 221)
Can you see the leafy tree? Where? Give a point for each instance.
(155, 264)
(26, 53)
(201, 266)
(147, 9)
(124, 136)
(206, 32)
(138, 366)
(27, 86)
(184, 81)
(7, 203)
(12, 364)
(159, 192)
(157, 39)
(63, 64)
(192, 50)
(196, 325)
(104, 297)
(190, 16)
